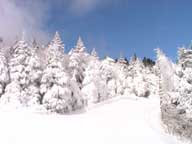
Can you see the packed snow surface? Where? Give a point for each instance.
(122, 120)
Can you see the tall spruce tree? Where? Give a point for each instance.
(78, 62)
(24, 71)
(4, 73)
(166, 77)
(109, 76)
(60, 93)
(94, 87)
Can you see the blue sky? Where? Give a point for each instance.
(110, 26)
(127, 26)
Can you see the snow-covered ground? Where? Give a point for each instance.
(122, 120)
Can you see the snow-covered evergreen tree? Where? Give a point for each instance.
(25, 74)
(122, 60)
(175, 81)
(184, 80)
(136, 78)
(122, 70)
(167, 77)
(152, 80)
(185, 57)
(94, 54)
(35, 45)
(4, 73)
(94, 86)
(34, 74)
(78, 61)
(109, 75)
(60, 93)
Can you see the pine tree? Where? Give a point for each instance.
(34, 44)
(34, 73)
(181, 52)
(94, 53)
(4, 73)
(148, 62)
(55, 48)
(122, 60)
(122, 70)
(79, 48)
(60, 93)
(184, 80)
(1, 40)
(109, 75)
(70, 52)
(167, 73)
(140, 83)
(185, 57)
(137, 78)
(78, 62)
(94, 87)
(134, 58)
(24, 73)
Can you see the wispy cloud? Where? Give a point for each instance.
(80, 7)
(22, 15)
(31, 16)
(84, 6)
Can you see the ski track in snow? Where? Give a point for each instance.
(152, 117)
(121, 120)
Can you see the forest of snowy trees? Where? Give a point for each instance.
(175, 80)
(35, 76)
(46, 77)
(175, 92)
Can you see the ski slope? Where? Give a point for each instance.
(122, 120)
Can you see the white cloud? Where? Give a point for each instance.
(31, 16)
(22, 15)
(84, 5)
(81, 7)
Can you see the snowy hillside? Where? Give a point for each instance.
(47, 80)
(98, 79)
(120, 120)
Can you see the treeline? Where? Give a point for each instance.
(50, 79)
